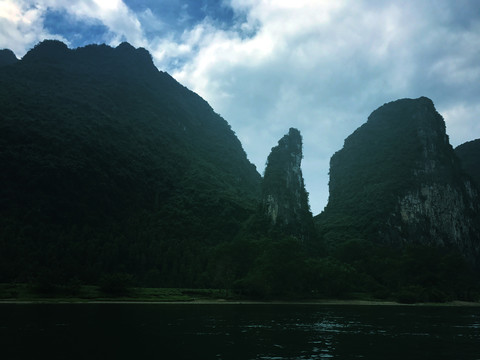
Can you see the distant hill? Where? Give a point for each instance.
(469, 154)
(109, 165)
(398, 181)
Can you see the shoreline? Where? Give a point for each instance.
(319, 302)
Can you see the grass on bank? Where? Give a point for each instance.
(77, 293)
(85, 293)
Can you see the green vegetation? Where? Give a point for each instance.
(109, 166)
(118, 183)
(400, 151)
(286, 268)
(469, 154)
(86, 293)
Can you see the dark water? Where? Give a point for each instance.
(108, 331)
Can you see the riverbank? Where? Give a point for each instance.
(90, 294)
(328, 302)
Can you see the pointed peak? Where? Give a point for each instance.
(294, 132)
(284, 198)
(292, 140)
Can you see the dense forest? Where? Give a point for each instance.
(469, 154)
(112, 166)
(111, 169)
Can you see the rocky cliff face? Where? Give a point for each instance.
(284, 199)
(438, 214)
(398, 180)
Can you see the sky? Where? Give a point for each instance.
(321, 66)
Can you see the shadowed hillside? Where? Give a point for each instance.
(109, 165)
(469, 154)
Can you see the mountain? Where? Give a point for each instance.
(7, 57)
(284, 198)
(398, 181)
(469, 154)
(111, 171)
(109, 165)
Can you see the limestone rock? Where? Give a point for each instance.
(397, 180)
(284, 198)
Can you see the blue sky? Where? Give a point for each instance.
(321, 66)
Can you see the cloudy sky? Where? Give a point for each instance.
(321, 66)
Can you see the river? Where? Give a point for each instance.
(227, 331)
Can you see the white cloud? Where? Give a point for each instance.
(323, 67)
(21, 21)
(458, 63)
(121, 22)
(462, 121)
(21, 26)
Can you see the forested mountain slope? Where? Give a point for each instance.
(109, 165)
(469, 154)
